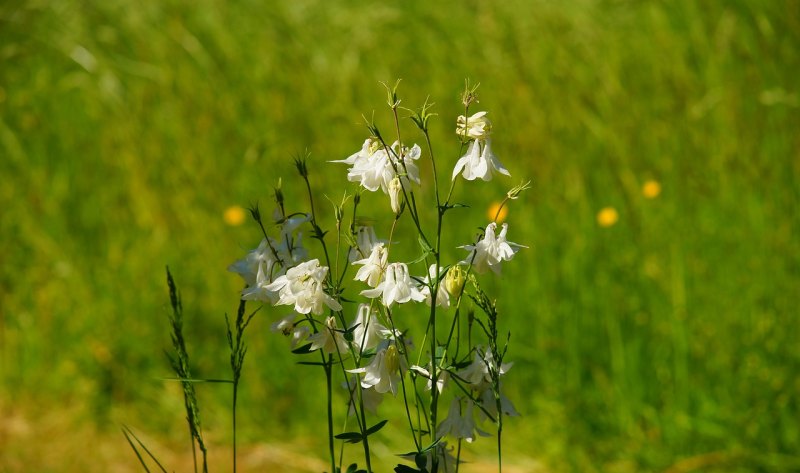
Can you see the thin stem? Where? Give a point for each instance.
(329, 396)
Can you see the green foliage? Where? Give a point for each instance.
(127, 129)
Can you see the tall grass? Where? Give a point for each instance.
(668, 340)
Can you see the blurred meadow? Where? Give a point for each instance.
(654, 318)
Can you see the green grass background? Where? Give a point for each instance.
(667, 342)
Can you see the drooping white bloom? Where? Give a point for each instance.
(441, 375)
(479, 162)
(260, 291)
(303, 287)
(290, 248)
(457, 425)
(384, 371)
(476, 127)
(488, 403)
(370, 397)
(288, 328)
(491, 250)
(373, 267)
(396, 287)
(375, 166)
(261, 258)
(329, 338)
(370, 146)
(478, 374)
(365, 241)
(367, 331)
(442, 296)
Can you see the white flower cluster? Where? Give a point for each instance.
(279, 272)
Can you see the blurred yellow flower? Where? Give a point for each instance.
(491, 212)
(234, 215)
(607, 216)
(651, 189)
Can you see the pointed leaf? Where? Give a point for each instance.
(350, 437)
(376, 427)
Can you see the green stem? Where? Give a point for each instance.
(330, 412)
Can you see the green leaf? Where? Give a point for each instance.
(376, 427)
(128, 434)
(200, 380)
(305, 349)
(312, 363)
(350, 437)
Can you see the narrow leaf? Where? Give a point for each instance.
(376, 427)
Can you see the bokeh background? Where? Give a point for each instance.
(654, 317)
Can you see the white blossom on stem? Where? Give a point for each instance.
(478, 374)
(365, 241)
(370, 397)
(288, 328)
(479, 162)
(442, 296)
(491, 250)
(396, 287)
(374, 166)
(442, 377)
(460, 426)
(488, 402)
(384, 371)
(476, 127)
(329, 339)
(373, 267)
(261, 258)
(367, 331)
(303, 287)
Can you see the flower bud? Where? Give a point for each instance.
(454, 281)
(396, 195)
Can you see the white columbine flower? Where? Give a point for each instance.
(476, 127)
(287, 327)
(260, 291)
(479, 162)
(365, 241)
(477, 374)
(442, 297)
(460, 426)
(384, 371)
(261, 258)
(396, 287)
(488, 403)
(442, 377)
(302, 286)
(491, 250)
(367, 331)
(329, 339)
(374, 166)
(372, 270)
(370, 397)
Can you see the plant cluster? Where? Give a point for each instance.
(353, 305)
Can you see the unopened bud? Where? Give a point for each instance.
(396, 195)
(454, 281)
